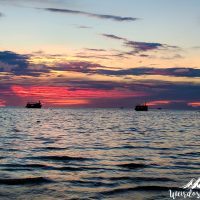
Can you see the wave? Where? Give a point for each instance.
(49, 148)
(26, 167)
(193, 154)
(54, 148)
(93, 183)
(143, 147)
(59, 158)
(182, 163)
(25, 181)
(139, 188)
(131, 147)
(16, 130)
(138, 179)
(70, 168)
(133, 165)
(23, 165)
(30, 167)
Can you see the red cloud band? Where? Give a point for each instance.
(55, 95)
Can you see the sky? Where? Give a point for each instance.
(100, 53)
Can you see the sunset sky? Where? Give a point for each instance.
(100, 53)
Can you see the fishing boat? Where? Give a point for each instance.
(34, 105)
(141, 107)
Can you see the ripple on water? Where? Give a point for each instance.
(59, 158)
(25, 181)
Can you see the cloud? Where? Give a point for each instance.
(84, 27)
(176, 56)
(1, 14)
(94, 68)
(97, 50)
(19, 64)
(176, 92)
(15, 62)
(139, 47)
(99, 16)
(111, 36)
(65, 95)
(103, 57)
(177, 72)
(143, 46)
(105, 92)
(77, 66)
(66, 92)
(149, 90)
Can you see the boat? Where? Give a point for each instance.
(141, 107)
(34, 105)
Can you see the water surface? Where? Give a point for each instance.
(109, 154)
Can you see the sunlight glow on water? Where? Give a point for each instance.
(96, 153)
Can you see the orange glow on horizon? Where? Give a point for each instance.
(64, 102)
(194, 104)
(2, 103)
(156, 103)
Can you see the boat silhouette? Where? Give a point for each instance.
(34, 105)
(141, 107)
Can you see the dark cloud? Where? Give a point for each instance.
(1, 14)
(13, 62)
(178, 72)
(99, 16)
(102, 85)
(111, 36)
(93, 68)
(18, 64)
(175, 92)
(143, 46)
(139, 47)
(78, 66)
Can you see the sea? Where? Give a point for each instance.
(98, 154)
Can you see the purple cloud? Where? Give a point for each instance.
(139, 47)
(99, 16)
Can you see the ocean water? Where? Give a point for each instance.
(110, 154)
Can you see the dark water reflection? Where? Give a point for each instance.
(96, 153)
